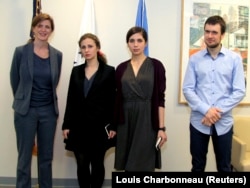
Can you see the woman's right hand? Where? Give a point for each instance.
(112, 134)
(65, 133)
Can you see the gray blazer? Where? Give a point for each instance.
(21, 76)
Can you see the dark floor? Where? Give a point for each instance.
(3, 186)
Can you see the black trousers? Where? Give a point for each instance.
(90, 168)
(199, 147)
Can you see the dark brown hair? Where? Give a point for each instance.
(217, 20)
(135, 30)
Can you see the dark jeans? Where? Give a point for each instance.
(41, 121)
(199, 147)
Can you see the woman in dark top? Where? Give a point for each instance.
(89, 110)
(139, 113)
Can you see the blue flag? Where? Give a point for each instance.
(141, 19)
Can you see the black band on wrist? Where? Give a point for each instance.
(162, 129)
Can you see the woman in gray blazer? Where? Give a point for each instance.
(34, 76)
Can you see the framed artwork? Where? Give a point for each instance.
(194, 15)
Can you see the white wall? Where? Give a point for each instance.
(113, 19)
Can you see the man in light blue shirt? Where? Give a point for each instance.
(213, 85)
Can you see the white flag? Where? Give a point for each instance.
(87, 26)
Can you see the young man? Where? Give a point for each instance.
(213, 85)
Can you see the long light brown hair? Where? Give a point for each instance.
(100, 56)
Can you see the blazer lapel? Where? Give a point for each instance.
(53, 65)
(30, 57)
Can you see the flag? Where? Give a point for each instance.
(37, 7)
(141, 19)
(87, 26)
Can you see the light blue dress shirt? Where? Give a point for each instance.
(212, 82)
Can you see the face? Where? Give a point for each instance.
(136, 44)
(89, 49)
(212, 35)
(42, 30)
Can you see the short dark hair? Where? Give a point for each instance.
(135, 30)
(212, 20)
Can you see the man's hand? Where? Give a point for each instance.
(212, 116)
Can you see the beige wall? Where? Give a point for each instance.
(113, 19)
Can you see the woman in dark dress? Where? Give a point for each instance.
(89, 109)
(140, 107)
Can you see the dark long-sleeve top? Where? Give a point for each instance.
(158, 97)
(85, 114)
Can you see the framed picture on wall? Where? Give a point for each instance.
(194, 15)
